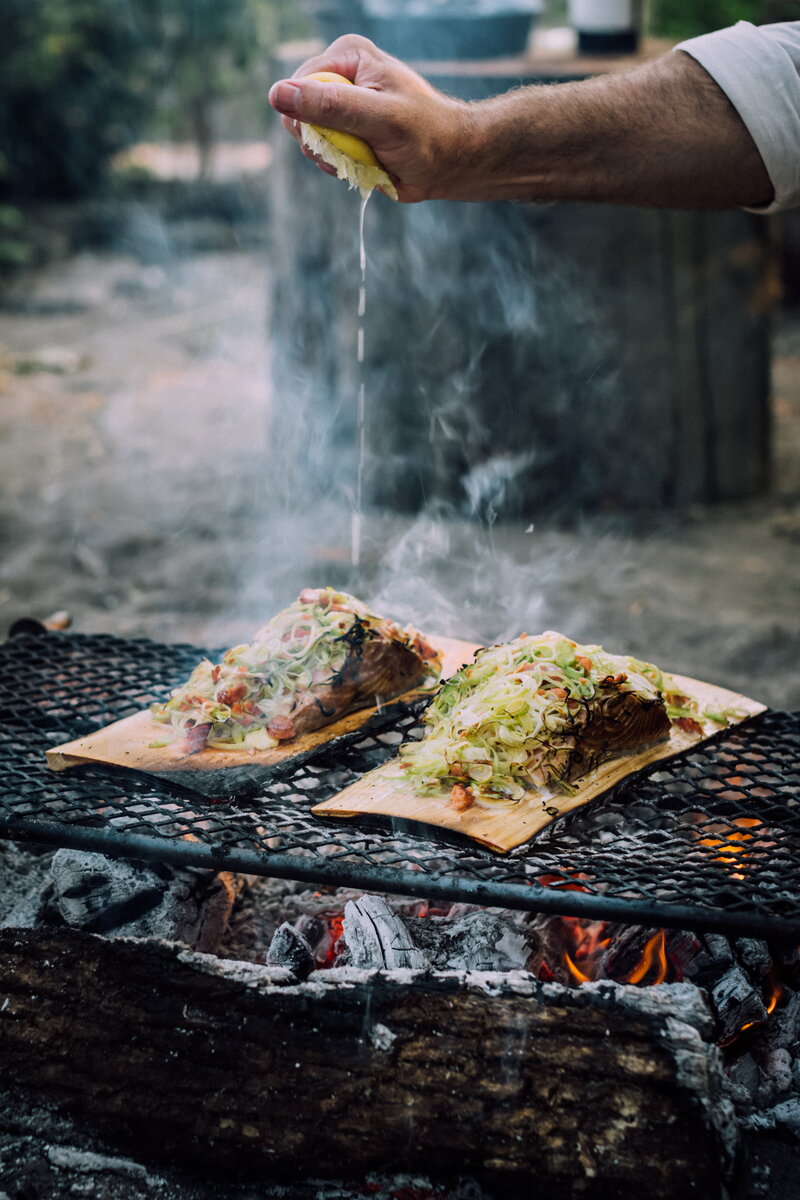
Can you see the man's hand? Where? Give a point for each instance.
(418, 134)
(663, 135)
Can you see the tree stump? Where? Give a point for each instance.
(520, 358)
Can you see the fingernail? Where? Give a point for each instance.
(286, 98)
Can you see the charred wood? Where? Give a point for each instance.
(290, 949)
(737, 1003)
(713, 959)
(227, 1065)
(477, 941)
(134, 899)
(377, 937)
(754, 955)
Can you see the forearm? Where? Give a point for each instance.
(663, 135)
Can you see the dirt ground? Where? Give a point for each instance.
(139, 494)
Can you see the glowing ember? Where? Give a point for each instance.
(335, 924)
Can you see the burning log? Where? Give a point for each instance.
(231, 1066)
(477, 941)
(377, 937)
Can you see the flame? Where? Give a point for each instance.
(574, 971)
(774, 994)
(586, 942)
(655, 951)
(325, 954)
(567, 881)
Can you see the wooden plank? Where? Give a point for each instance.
(387, 792)
(128, 743)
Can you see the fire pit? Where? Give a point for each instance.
(432, 1035)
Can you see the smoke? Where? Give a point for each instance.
(182, 488)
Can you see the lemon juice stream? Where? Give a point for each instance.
(361, 412)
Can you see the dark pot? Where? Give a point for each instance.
(447, 37)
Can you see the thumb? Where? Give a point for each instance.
(285, 97)
(336, 105)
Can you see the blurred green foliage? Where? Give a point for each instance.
(15, 248)
(82, 79)
(687, 18)
(71, 91)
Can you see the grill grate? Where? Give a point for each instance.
(709, 840)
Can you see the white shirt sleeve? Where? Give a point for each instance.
(758, 68)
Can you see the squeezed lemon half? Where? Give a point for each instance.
(350, 156)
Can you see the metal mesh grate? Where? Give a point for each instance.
(709, 840)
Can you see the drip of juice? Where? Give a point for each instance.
(361, 412)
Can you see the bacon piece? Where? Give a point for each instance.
(688, 724)
(461, 797)
(282, 729)
(195, 738)
(232, 694)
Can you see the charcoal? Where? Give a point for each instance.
(719, 949)
(736, 1003)
(712, 960)
(787, 958)
(290, 949)
(745, 1072)
(683, 948)
(786, 1115)
(754, 955)
(739, 1096)
(377, 937)
(24, 886)
(773, 1087)
(776, 1065)
(133, 899)
(784, 1024)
